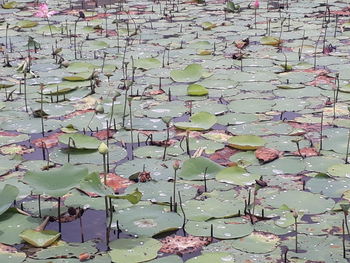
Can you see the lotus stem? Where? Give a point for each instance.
(174, 189)
(166, 141)
(183, 212)
(59, 215)
(81, 211)
(48, 22)
(321, 132)
(205, 179)
(347, 149)
(110, 221)
(75, 37)
(295, 215)
(343, 239)
(337, 83)
(211, 233)
(131, 129)
(25, 90)
(41, 109)
(42, 226)
(188, 143)
(39, 205)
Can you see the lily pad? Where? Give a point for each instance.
(191, 73)
(8, 194)
(56, 182)
(196, 90)
(148, 220)
(40, 238)
(133, 250)
(257, 242)
(246, 142)
(198, 122)
(79, 141)
(236, 175)
(194, 168)
(147, 63)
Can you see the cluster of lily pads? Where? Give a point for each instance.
(196, 131)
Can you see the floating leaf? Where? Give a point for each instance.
(198, 122)
(257, 242)
(196, 90)
(26, 24)
(191, 73)
(40, 238)
(269, 40)
(236, 175)
(194, 168)
(7, 195)
(147, 63)
(133, 250)
(246, 142)
(79, 141)
(148, 220)
(217, 257)
(56, 182)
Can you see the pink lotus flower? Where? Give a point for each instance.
(256, 4)
(44, 11)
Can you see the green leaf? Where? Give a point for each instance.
(194, 168)
(26, 24)
(269, 40)
(79, 141)
(191, 73)
(133, 250)
(147, 63)
(246, 142)
(56, 182)
(196, 90)
(40, 238)
(236, 175)
(92, 183)
(133, 198)
(148, 220)
(7, 196)
(198, 122)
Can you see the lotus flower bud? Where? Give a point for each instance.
(176, 165)
(103, 148)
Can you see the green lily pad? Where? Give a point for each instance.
(133, 250)
(210, 208)
(147, 63)
(198, 122)
(191, 73)
(246, 142)
(148, 220)
(12, 224)
(236, 175)
(65, 250)
(26, 24)
(196, 90)
(8, 194)
(257, 243)
(305, 202)
(40, 238)
(339, 170)
(80, 67)
(194, 168)
(222, 228)
(92, 183)
(11, 255)
(56, 182)
(79, 141)
(269, 40)
(217, 257)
